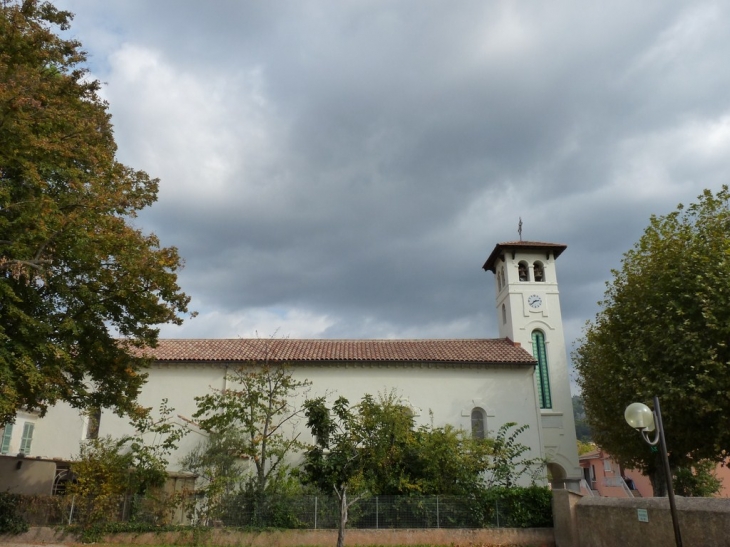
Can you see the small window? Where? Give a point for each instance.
(7, 436)
(501, 278)
(27, 439)
(523, 271)
(607, 466)
(504, 314)
(478, 425)
(539, 272)
(93, 422)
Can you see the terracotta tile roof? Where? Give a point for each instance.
(556, 248)
(481, 351)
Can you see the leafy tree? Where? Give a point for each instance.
(336, 462)
(584, 447)
(388, 444)
(217, 463)
(73, 269)
(106, 469)
(449, 461)
(664, 330)
(699, 480)
(508, 462)
(248, 419)
(374, 448)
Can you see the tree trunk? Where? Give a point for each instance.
(343, 517)
(658, 478)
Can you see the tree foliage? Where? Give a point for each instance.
(699, 480)
(249, 420)
(73, 269)
(665, 330)
(108, 468)
(217, 464)
(375, 448)
(337, 462)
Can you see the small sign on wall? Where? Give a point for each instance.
(643, 515)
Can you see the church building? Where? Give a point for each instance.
(474, 384)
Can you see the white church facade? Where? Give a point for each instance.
(520, 377)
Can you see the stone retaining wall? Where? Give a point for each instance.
(534, 537)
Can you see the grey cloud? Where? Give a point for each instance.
(371, 154)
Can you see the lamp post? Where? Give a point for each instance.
(640, 417)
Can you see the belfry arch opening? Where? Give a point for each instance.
(538, 271)
(523, 271)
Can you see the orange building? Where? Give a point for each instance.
(603, 476)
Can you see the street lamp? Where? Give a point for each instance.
(640, 417)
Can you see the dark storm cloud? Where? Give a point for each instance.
(343, 169)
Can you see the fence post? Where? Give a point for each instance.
(438, 520)
(71, 513)
(377, 513)
(315, 512)
(496, 503)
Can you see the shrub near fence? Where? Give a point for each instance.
(496, 508)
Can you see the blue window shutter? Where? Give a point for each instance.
(27, 437)
(7, 435)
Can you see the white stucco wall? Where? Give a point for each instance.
(558, 425)
(450, 392)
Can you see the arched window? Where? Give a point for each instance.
(543, 379)
(538, 271)
(523, 271)
(478, 424)
(504, 314)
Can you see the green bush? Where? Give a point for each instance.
(517, 507)
(10, 520)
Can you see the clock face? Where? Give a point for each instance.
(534, 301)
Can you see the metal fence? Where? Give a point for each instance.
(303, 512)
(313, 512)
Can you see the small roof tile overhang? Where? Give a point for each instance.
(593, 455)
(500, 248)
(500, 351)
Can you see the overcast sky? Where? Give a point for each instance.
(343, 169)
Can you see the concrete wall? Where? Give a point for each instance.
(26, 476)
(614, 522)
(564, 519)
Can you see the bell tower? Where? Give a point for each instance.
(528, 313)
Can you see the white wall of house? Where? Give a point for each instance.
(450, 393)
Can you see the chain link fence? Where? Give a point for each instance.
(303, 512)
